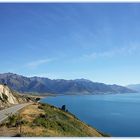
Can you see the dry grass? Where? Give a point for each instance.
(30, 112)
(29, 131)
(58, 123)
(4, 131)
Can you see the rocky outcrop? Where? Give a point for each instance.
(9, 97)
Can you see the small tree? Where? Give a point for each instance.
(37, 99)
(63, 107)
(5, 84)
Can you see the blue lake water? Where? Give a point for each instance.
(115, 114)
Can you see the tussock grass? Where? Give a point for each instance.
(47, 120)
(57, 122)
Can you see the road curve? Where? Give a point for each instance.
(11, 110)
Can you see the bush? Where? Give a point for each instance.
(63, 107)
(37, 99)
(40, 107)
(52, 106)
(5, 97)
(15, 121)
(40, 122)
(12, 121)
(1, 98)
(45, 116)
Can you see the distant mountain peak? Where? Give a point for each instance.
(82, 80)
(134, 87)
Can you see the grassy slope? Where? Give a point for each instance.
(46, 120)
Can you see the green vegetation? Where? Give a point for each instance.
(37, 99)
(15, 121)
(63, 107)
(47, 120)
(60, 121)
(5, 97)
(12, 120)
(1, 98)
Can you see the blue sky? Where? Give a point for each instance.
(100, 42)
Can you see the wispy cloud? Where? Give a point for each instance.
(124, 51)
(37, 63)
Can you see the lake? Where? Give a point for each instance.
(114, 114)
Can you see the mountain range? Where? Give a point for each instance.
(134, 87)
(41, 85)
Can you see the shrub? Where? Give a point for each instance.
(63, 107)
(40, 122)
(11, 120)
(52, 106)
(1, 98)
(15, 121)
(45, 116)
(5, 97)
(37, 99)
(40, 107)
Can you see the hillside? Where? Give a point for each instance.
(47, 120)
(39, 119)
(134, 87)
(8, 97)
(59, 86)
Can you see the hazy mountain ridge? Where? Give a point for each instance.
(134, 87)
(58, 86)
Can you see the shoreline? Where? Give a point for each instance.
(74, 94)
